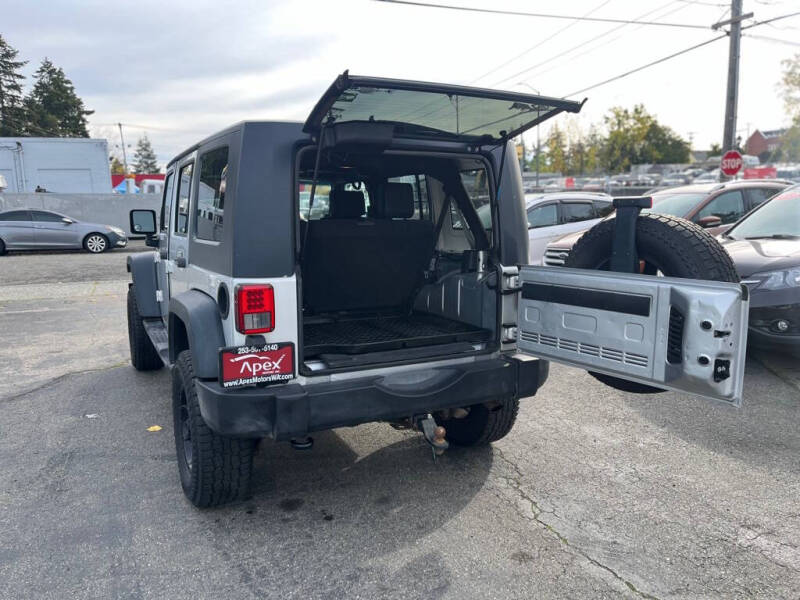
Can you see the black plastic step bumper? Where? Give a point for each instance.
(292, 410)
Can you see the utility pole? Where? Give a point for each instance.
(732, 94)
(124, 154)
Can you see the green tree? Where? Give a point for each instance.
(636, 137)
(117, 168)
(555, 149)
(144, 160)
(11, 107)
(790, 85)
(716, 150)
(53, 108)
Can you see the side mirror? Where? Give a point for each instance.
(709, 221)
(67, 221)
(143, 222)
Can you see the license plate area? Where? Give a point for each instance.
(241, 366)
(679, 334)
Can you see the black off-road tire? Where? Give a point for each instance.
(2, 248)
(217, 469)
(144, 356)
(674, 246)
(485, 423)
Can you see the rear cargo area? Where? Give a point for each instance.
(390, 264)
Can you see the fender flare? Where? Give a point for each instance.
(142, 267)
(199, 316)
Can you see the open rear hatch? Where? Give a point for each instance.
(433, 110)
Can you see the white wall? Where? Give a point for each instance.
(108, 209)
(62, 165)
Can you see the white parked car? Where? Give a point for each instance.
(551, 216)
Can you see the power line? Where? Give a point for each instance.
(515, 13)
(675, 54)
(771, 39)
(538, 44)
(550, 59)
(650, 64)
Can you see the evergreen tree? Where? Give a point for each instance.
(11, 109)
(144, 160)
(53, 108)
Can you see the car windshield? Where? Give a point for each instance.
(776, 218)
(677, 205)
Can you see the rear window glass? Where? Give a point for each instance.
(15, 215)
(211, 195)
(573, 212)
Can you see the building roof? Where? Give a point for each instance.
(773, 133)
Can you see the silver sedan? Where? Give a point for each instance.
(31, 229)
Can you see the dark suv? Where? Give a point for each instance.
(337, 272)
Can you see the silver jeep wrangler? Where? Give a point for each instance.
(338, 272)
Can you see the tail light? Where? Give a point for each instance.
(255, 309)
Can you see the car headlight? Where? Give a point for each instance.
(778, 280)
(117, 230)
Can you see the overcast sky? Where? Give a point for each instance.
(181, 70)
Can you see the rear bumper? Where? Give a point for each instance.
(293, 410)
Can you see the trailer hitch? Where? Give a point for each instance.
(623, 244)
(434, 434)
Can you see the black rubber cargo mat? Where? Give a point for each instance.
(356, 336)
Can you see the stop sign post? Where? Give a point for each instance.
(731, 163)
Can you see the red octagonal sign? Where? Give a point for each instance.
(731, 162)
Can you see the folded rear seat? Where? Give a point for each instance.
(352, 263)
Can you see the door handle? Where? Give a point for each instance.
(180, 262)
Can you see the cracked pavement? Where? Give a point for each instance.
(595, 493)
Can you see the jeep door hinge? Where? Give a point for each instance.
(159, 296)
(169, 266)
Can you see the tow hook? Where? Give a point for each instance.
(434, 434)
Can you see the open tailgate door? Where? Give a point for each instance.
(433, 110)
(679, 334)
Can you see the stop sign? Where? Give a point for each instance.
(731, 162)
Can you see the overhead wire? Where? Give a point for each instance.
(516, 13)
(538, 44)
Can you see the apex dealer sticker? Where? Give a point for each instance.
(246, 365)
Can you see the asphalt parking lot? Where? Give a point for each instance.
(595, 493)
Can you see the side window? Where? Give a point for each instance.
(756, 196)
(603, 209)
(422, 209)
(322, 203)
(543, 216)
(211, 195)
(573, 212)
(476, 183)
(165, 201)
(728, 206)
(45, 217)
(16, 215)
(182, 203)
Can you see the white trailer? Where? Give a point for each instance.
(65, 165)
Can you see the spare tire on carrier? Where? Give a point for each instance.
(665, 245)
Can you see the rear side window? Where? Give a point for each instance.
(46, 217)
(603, 209)
(210, 204)
(182, 204)
(476, 184)
(543, 216)
(573, 212)
(728, 206)
(322, 197)
(15, 215)
(758, 195)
